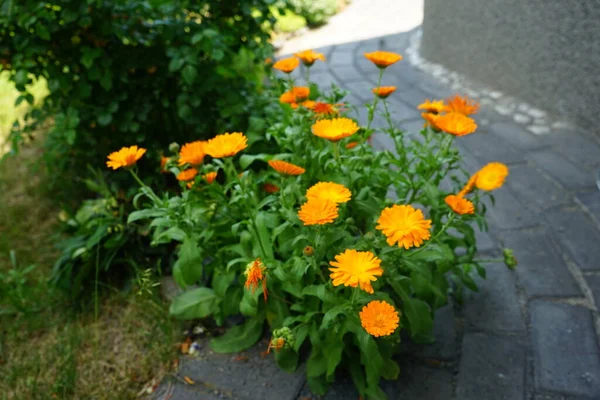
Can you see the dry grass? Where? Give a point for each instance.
(50, 351)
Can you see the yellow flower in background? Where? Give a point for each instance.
(187, 175)
(434, 106)
(462, 105)
(384, 91)
(383, 59)
(334, 129)
(126, 157)
(287, 65)
(459, 204)
(308, 57)
(287, 98)
(492, 176)
(286, 168)
(430, 120)
(318, 212)
(300, 92)
(192, 153)
(226, 145)
(210, 176)
(356, 269)
(379, 318)
(456, 124)
(405, 225)
(469, 186)
(255, 274)
(329, 191)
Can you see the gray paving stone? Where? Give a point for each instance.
(489, 148)
(577, 147)
(593, 282)
(177, 390)
(444, 331)
(412, 127)
(569, 175)
(535, 188)
(541, 269)
(399, 110)
(578, 234)
(558, 397)
(396, 43)
(485, 241)
(509, 212)
(324, 80)
(565, 349)
(414, 97)
(348, 73)
(433, 87)
(491, 368)
(253, 378)
(591, 201)
(495, 307)
(517, 135)
(342, 55)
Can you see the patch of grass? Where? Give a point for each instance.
(48, 348)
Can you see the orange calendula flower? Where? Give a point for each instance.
(383, 59)
(329, 191)
(210, 176)
(308, 104)
(126, 157)
(405, 225)
(287, 65)
(459, 204)
(187, 175)
(469, 186)
(308, 57)
(379, 318)
(334, 129)
(351, 145)
(287, 98)
(163, 163)
(276, 344)
(255, 274)
(300, 92)
(456, 124)
(192, 153)
(492, 176)
(286, 168)
(384, 91)
(270, 188)
(318, 212)
(430, 120)
(355, 268)
(324, 109)
(226, 145)
(462, 105)
(268, 61)
(434, 106)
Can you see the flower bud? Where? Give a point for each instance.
(283, 338)
(509, 258)
(309, 251)
(174, 147)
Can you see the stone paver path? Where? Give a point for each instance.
(528, 334)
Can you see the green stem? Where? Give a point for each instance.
(307, 75)
(446, 225)
(372, 114)
(147, 189)
(336, 153)
(488, 260)
(353, 297)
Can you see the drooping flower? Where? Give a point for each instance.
(351, 145)
(126, 157)
(287, 98)
(430, 119)
(459, 204)
(324, 109)
(308, 57)
(384, 91)
(462, 105)
(163, 163)
(318, 212)
(192, 153)
(383, 59)
(287, 65)
(210, 176)
(405, 225)
(270, 188)
(433, 106)
(334, 129)
(456, 124)
(356, 269)
(286, 168)
(187, 175)
(379, 318)
(492, 176)
(255, 274)
(226, 145)
(469, 186)
(329, 191)
(300, 92)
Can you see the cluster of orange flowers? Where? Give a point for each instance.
(451, 116)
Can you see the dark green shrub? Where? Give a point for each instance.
(128, 72)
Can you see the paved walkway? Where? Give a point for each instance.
(528, 334)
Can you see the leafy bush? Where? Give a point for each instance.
(335, 246)
(133, 71)
(316, 12)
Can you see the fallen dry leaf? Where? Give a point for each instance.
(189, 380)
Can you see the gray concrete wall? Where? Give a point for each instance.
(546, 52)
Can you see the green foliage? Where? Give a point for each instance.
(126, 72)
(316, 12)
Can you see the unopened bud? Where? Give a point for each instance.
(509, 258)
(309, 251)
(174, 147)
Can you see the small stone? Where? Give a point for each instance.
(495, 95)
(537, 113)
(540, 121)
(538, 129)
(521, 118)
(523, 107)
(504, 110)
(561, 125)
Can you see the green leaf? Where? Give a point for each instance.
(189, 74)
(321, 292)
(42, 32)
(331, 314)
(190, 262)
(247, 159)
(145, 214)
(193, 304)
(240, 337)
(316, 364)
(249, 303)
(287, 360)
(175, 64)
(263, 233)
